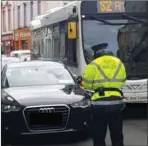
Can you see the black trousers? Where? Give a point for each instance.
(102, 116)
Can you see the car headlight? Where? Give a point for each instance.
(9, 108)
(9, 105)
(82, 104)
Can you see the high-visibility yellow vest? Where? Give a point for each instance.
(106, 72)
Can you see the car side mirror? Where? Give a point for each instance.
(79, 79)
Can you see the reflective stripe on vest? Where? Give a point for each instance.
(106, 79)
(107, 102)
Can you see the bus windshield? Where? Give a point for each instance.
(128, 42)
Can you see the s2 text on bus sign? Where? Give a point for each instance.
(110, 6)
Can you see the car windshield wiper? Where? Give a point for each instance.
(108, 23)
(134, 19)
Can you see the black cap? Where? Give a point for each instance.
(103, 52)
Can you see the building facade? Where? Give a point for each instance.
(16, 19)
(22, 38)
(7, 26)
(24, 12)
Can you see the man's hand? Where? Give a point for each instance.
(81, 83)
(79, 80)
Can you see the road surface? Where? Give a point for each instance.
(135, 129)
(135, 134)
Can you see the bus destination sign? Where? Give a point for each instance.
(110, 6)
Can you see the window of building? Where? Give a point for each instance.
(18, 15)
(39, 7)
(25, 14)
(31, 10)
(4, 21)
(9, 18)
(25, 44)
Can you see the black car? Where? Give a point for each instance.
(41, 97)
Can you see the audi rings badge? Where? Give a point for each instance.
(47, 110)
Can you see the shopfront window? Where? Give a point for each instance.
(24, 44)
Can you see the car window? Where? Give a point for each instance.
(36, 76)
(26, 53)
(20, 54)
(15, 55)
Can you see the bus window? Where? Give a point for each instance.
(56, 42)
(128, 41)
(71, 45)
(62, 40)
(67, 46)
(136, 44)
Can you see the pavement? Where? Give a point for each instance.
(135, 131)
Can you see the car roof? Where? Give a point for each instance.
(9, 58)
(21, 51)
(34, 64)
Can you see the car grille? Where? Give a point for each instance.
(46, 117)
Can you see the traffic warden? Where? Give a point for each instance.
(106, 75)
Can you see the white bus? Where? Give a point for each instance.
(75, 31)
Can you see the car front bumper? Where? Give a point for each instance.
(14, 126)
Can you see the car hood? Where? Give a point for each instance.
(45, 95)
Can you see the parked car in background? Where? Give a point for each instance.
(45, 99)
(6, 60)
(23, 55)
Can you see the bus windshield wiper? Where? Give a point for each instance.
(134, 18)
(108, 23)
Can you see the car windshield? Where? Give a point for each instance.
(21, 54)
(125, 41)
(37, 76)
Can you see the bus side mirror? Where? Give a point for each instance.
(72, 30)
